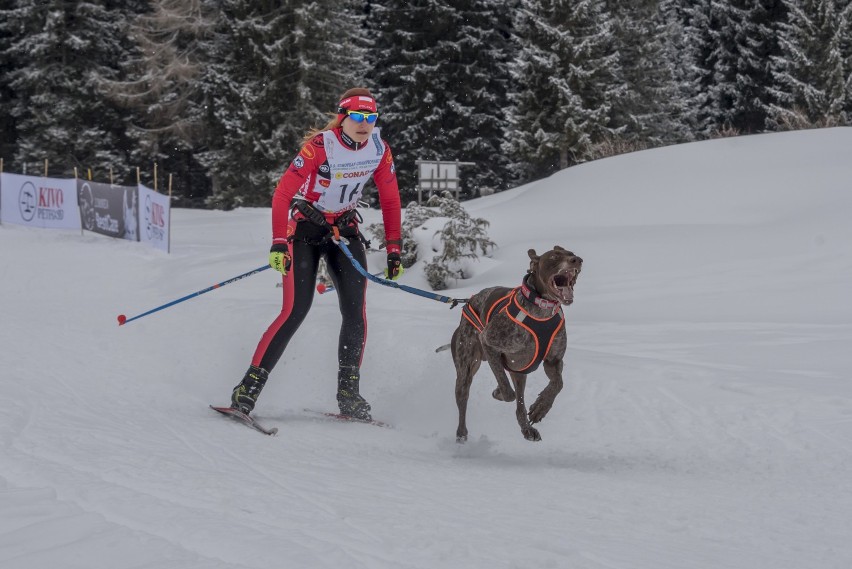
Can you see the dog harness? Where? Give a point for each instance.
(543, 331)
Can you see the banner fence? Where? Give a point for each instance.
(135, 213)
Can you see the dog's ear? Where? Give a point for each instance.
(558, 248)
(534, 258)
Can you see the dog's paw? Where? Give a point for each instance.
(531, 434)
(538, 411)
(461, 435)
(498, 395)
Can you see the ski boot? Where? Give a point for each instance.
(246, 393)
(349, 401)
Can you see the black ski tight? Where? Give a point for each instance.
(299, 287)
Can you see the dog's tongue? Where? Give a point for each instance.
(563, 287)
(567, 294)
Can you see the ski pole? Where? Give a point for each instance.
(393, 284)
(122, 319)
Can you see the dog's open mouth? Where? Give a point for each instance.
(563, 285)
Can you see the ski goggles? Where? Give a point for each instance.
(358, 116)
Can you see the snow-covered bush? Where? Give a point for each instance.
(415, 216)
(456, 239)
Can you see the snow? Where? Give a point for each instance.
(706, 420)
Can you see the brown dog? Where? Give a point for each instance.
(516, 330)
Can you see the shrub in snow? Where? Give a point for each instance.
(457, 239)
(415, 216)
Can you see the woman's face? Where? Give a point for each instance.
(357, 131)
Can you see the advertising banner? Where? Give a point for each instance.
(109, 210)
(39, 202)
(154, 218)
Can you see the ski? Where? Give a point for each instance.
(348, 419)
(238, 415)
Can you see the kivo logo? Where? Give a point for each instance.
(46, 203)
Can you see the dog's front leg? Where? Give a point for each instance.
(544, 401)
(504, 391)
(529, 432)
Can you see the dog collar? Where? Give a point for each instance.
(533, 296)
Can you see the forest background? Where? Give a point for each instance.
(219, 93)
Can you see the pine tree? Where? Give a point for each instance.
(846, 53)
(441, 73)
(745, 38)
(161, 93)
(698, 75)
(59, 53)
(7, 94)
(765, 20)
(275, 69)
(728, 33)
(569, 76)
(673, 23)
(813, 72)
(649, 107)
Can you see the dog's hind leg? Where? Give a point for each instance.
(467, 357)
(529, 432)
(544, 401)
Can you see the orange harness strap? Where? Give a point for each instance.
(543, 332)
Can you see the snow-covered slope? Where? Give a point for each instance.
(706, 420)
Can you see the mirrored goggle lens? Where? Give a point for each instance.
(361, 117)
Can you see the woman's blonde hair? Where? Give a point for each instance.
(337, 118)
(332, 124)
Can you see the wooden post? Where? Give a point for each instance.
(169, 242)
(419, 183)
(110, 176)
(45, 167)
(458, 185)
(138, 176)
(78, 197)
(90, 174)
(155, 176)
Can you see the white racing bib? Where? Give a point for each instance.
(350, 170)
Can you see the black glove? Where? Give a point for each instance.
(394, 270)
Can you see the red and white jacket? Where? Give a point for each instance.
(330, 173)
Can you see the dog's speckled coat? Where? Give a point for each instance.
(506, 345)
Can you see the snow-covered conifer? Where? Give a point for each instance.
(569, 76)
(441, 71)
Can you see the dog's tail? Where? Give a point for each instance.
(443, 348)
